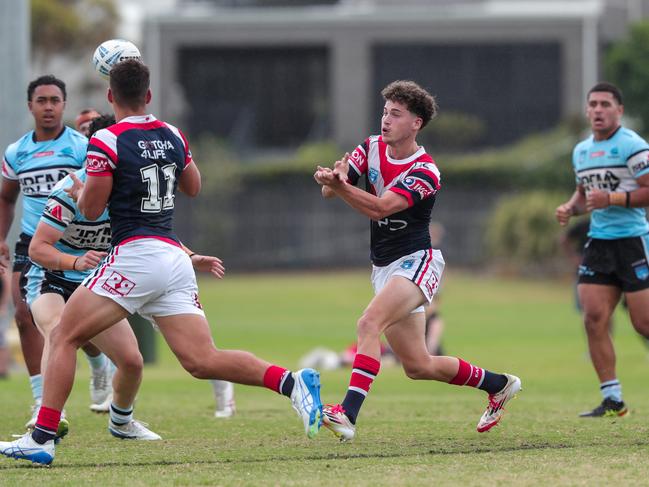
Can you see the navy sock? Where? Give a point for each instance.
(352, 404)
(286, 386)
(493, 383)
(41, 436)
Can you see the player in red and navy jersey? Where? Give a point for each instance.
(135, 167)
(402, 182)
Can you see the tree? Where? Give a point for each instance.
(626, 65)
(68, 26)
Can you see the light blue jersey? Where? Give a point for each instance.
(79, 233)
(613, 165)
(38, 166)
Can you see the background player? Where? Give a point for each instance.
(612, 175)
(33, 165)
(402, 183)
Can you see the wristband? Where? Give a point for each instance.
(617, 199)
(192, 255)
(74, 264)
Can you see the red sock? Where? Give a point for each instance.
(273, 378)
(468, 375)
(48, 419)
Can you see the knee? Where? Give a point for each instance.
(196, 367)
(59, 337)
(595, 322)
(368, 326)
(417, 370)
(131, 364)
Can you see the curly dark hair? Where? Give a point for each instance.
(414, 97)
(608, 88)
(47, 79)
(101, 122)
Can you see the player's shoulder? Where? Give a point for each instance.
(19, 146)
(630, 137)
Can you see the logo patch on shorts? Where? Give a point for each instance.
(407, 264)
(118, 285)
(641, 272)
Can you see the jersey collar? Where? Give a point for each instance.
(139, 119)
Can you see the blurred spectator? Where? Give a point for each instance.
(83, 120)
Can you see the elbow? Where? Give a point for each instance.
(91, 213)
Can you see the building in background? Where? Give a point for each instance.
(235, 68)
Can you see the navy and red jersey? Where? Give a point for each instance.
(145, 157)
(416, 178)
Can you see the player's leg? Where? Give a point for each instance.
(31, 341)
(638, 305)
(120, 344)
(189, 337)
(46, 310)
(393, 303)
(598, 302)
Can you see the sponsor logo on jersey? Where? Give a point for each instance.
(599, 153)
(118, 285)
(407, 264)
(393, 225)
(154, 149)
(639, 166)
(416, 184)
(41, 182)
(44, 154)
(56, 211)
(356, 157)
(90, 237)
(582, 156)
(96, 163)
(604, 180)
(615, 152)
(373, 175)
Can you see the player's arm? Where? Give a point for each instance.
(205, 263)
(373, 207)
(576, 205)
(94, 195)
(44, 253)
(190, 180)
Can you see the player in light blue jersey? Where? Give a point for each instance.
(33, 165)
(612, 172)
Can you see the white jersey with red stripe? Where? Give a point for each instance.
(145, 157)
(416, 178)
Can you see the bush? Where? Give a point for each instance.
(453, 131)
(523, 234)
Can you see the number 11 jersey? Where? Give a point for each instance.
(145, 157)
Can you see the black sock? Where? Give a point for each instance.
(352, 404)
(493, 383)
(41, 436)
(286, 386)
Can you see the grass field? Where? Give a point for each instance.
(410, 433)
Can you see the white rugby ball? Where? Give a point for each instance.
(111, 52)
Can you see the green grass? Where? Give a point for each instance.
(410, 433)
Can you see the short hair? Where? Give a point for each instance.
(47, 79)
(101, 122)
(414, 97)
(129, 83)
(608, 88)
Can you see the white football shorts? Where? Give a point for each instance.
(149, 277)
(424, 268)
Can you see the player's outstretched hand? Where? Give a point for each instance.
(324, 176)
(563, 214)
(89, 260)
(75, 190)
(341, 168)
(208, 263)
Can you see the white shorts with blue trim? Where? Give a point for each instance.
(149, 277)
(424, 268)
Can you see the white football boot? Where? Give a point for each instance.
(496, 407)
(334, 418)
(25, 448)
(133, 430)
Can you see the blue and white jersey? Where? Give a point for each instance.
(613, 165)
(38, 166)
(79, 234)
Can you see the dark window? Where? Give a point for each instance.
(257, 97)
(514, 88)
